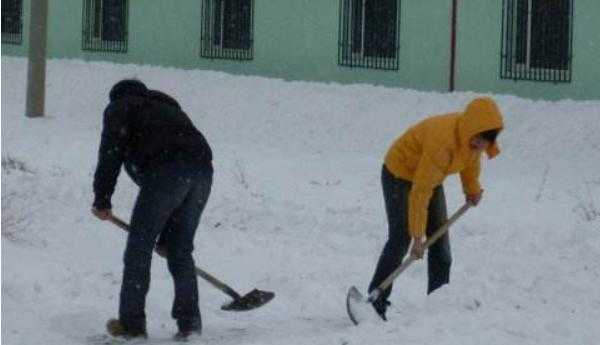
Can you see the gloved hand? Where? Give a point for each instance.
(161, 249)
(161, 244)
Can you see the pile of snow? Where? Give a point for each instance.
(297, 208)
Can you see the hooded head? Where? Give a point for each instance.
(127, 87)
(481, 115)
(162, 97)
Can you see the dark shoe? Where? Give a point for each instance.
(185, 336)
(380, 307)
(188, 328)
(116, 328)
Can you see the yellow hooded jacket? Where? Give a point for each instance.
(438, 147)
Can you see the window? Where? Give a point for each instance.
(536, 40)
(369, 33)
(11, 21)
(227, 29)
(105, 25)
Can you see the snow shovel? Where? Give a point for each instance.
(252, 300)
(356, 302)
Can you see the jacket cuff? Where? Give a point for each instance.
(472, 188)
(102, 203)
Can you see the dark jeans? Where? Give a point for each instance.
(171, 200)
(395, 192)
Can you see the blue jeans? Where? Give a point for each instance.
(171, 200)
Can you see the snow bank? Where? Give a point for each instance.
(297, 208)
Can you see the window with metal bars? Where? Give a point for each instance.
(537, 40)
(369, 34)
(105, 25)
(12, 21)
(227, 29)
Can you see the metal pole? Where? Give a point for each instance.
(36, 71)
(453, 29)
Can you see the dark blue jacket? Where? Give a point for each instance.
(142, 130)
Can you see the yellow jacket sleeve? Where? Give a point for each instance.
(470, 177)
(427, 176)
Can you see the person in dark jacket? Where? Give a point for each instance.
(170, 160)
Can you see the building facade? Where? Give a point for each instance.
(545, 49)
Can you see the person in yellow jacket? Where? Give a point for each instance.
(412, 176)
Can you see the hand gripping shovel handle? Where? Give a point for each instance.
(431, 240)
(203, 274)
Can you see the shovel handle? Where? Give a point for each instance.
(218, 284)
(444, 228)
(203, 274)
(410, 259)
(118, 222)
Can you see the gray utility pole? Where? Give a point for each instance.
(36, 71)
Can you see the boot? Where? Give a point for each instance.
(188, 328)
(380, 306)
(115, 328)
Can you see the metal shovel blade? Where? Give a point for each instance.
(252, 300)
(355, 305)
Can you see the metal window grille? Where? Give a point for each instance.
(12, 24)
(227, 29)
(369, 34)
(105, 25)
(537, 38)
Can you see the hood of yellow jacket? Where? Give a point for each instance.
(481, 115)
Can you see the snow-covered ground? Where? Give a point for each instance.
(297, 208)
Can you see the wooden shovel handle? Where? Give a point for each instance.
(118, 222)
(410, 259)
(203, 274)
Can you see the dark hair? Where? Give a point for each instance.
(490, 135)
(127, 87)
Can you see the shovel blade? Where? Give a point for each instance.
(357, 306)
(252, 300)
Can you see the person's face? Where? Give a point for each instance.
(478, 144)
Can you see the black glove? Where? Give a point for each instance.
(161, 244)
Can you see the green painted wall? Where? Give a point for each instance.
(298, 40)
(479, 37)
